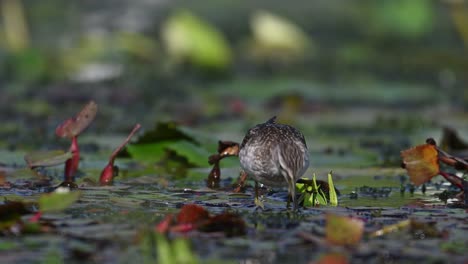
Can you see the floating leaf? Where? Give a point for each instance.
(192, 214)
(332, 191)
(58, 200)
(74, 126)
(189, 38)
(344, 230)
(47, 158)
(421, 163)
(192, 217)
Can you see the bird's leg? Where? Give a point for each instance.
(291, 193)
(258, 202)
(241, 182)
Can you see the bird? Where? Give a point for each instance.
(275, 155)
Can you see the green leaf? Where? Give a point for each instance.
(332, 191)
(172, 252)
(314, 181)
(319, 197)
(409, 19)
(196, 155)
(152, 152)
(46, 158)
(57, 201)
(188, 37)
(164, 251)
(182, 252)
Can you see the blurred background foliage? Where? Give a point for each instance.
(201, 61)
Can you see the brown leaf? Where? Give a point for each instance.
(225, 149)
(344, 230)
(421, 163)
(74, 126)
(215, 158)
(228, 148)
(214, 176)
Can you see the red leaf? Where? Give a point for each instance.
(36, 217)
(192, 214)
(332, 258)
(164, 225)
(183, 228)
(108, 174)
(74, 126)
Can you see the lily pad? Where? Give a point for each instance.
(57, 201)
(47, 158)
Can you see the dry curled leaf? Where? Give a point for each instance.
(74, 126)
(214, 177)
(225, 149)
(421, 163)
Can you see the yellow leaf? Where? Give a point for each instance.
(421, 163)
(274, 32)
(344, 230)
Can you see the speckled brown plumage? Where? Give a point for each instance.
(275, 155)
